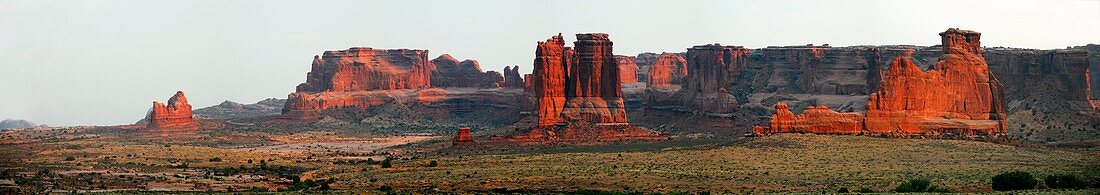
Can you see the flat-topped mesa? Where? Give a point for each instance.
(667, 69)
(463, 137)
(176, 115)
(593, 84)
(512, 79)
(449, 72)
(910, 101)
(713, 67)
(628, 69)
(364, 69)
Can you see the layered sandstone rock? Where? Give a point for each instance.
(449, 72)
(592, 86)
(645, 61)
(628, 69)
(579, 94)
(463, 137)
(512, 79)
(548, 79)
(176, 115)
(668, 69)
(364, 68)
(960, 96)
(816, 119)
(713, 67)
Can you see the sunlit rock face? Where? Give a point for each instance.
(959, 96)
(449, 72)
(176, 115)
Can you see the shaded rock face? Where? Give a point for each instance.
(174, 115)
(231, 110)
(449, 72)
(960, 96)
(463, 137)
(593, 85)
(668, 69)
(364, 68)
(645, 61)
(17, 124)
(712, 68)
(628, 69)
(548, 79)
(512, 79)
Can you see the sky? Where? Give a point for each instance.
(80, 62)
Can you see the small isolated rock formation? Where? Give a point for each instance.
(512, 79)
(463, 137)
(172, 116)
(959, 97)
(449, 72)
(579, 91)
(628, 69)
(668, 69)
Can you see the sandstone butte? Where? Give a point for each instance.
(958, 97)
(628, 69)
(711, 70)
(667, 69)
(463, 137)
(579, 93)
(176, 115)
(449, 72)
(358, 69)
(512, 79)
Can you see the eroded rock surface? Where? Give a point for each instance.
(449, 72)
(176, 115)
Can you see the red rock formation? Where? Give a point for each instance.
(628, 69)
(712, 68)
(592, 86)
(548, 79)
(526, 82)
(175, 115)
(364, 68)
(816, 119)
(449, 72)
(668, 69)
(463, 137)
(512, 79)
(960, 96)
(645, 61)
(579, 94)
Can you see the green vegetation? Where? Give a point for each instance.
(1015, 180)
(1064, 181)
(920, 185)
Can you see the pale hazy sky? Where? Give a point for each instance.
(103, 62)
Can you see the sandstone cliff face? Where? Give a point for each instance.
(960, 96)
(449, 72)
(512, 79)
(713, 68)
(548, 79)
(364, 68)
(176, 115)
(628, 69)
(645, 61)
(592, 86)
(668, 69)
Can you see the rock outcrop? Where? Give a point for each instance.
(364, 68)
(18, 124)
(628, 69)
(512, 79)
(176, 115)
(711, 72)
(645, 61)
(959, 97)
(230, 110)
(668, 69)
(463, 138)
(579, 94)
(449, 72)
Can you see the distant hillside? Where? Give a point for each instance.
(230, 109)
(17, 124)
